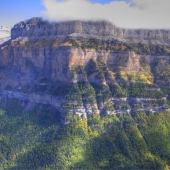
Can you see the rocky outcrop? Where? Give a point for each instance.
(122, 105)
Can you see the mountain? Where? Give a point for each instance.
(57, 55)
(5, 32)
(84, 95)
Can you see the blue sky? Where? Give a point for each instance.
(14, 11)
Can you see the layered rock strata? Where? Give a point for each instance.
(98, 63)
(98, 29)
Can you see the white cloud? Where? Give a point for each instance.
(137, 14)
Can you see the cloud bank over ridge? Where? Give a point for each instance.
(135, 14)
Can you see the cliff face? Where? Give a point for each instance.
(93, 67)
(102, 30)
(56, 62)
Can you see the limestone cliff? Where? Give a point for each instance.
(98, 29)
(86, 67)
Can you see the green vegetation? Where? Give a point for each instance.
(136, 90)
(103, 93)
(37, 139)
(93, 43)
(142, 77)
(141, 90)
(74, 43)
(73, 98)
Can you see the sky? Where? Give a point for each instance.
(152, 14)
(14, 11)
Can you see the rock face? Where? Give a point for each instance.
(101, 30)
(5, 33)
(90, 66)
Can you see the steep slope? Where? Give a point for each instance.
(42, 58)
(37, 140)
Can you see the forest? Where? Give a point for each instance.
(38, 140)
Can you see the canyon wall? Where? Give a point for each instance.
(98, 29)
(42, 59)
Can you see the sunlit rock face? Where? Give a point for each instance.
(86, 67)
(98, 29)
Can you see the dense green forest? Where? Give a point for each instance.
(38, 140)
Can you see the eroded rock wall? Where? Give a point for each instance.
(98, 29)
(42, 59)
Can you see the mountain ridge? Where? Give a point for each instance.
(100, 29)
